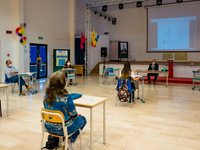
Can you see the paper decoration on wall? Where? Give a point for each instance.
(95, 40)
(23, 40)
(181, 56)
(20, 31)
(167, 56)
(83, 39)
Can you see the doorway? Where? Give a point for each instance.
(38, 60)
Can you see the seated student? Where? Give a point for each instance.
(11, 73)
(57, 98)
(127, 73)
(66, 67)
(152, 67)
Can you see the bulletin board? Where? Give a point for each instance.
(60, 56)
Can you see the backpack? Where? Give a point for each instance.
(52, 142)
(123, 93)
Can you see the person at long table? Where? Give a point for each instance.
(153, 67)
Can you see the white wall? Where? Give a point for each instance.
(8, 13)
(52, 21)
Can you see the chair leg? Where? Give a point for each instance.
(116, 100)
(131, 100)
(42, 140)
(13, 88)
(80, 139)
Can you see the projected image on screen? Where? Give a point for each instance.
(173, 33)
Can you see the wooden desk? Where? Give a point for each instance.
(79, 69)
(146, 71)
(7, 99)
(91, 102)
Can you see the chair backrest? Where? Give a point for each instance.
(128, 84)
(111, 70)
(53, 116)
(6, 79)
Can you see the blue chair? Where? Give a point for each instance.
(8, 82)
(129, 89)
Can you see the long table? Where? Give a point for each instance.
(90, 102)
(146, 71)
(7, 99)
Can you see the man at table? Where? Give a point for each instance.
(153, 67)
(11, 73)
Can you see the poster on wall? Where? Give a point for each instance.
(123, 49)
(61, 58)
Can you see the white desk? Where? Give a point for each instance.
(7, 100)
(91, 102)
(33, 80)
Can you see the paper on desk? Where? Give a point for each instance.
(29, 73)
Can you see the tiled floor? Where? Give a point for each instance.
(169, 120)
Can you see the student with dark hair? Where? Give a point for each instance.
(66, 67)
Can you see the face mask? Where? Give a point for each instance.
(153, 63)
(10, 65)
(68, 63)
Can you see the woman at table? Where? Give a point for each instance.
(67, 66)
(127, 73)
(57, 98)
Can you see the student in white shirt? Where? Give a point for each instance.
(127, 73)
(11, 73)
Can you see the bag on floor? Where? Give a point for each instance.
(123, 93)
(52, 143)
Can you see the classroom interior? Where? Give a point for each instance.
(166, 119)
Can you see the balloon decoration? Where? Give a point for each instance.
(23, 40)
(21, 32)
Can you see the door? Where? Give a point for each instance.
(38, 60)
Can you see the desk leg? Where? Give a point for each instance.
(104, 122)
(7, 101)
(19, 84)
(142, 89)
(167, 80)
(138, 89)
(91, 128)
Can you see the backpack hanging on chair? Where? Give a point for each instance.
(123, 93)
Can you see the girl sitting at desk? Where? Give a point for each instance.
(67, 66)
(127, 73)
(57, 98)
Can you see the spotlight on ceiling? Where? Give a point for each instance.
(105, 17)
(179, 1)
(114, 20)
(139, 4)
(100, 15)
(95, 12)
(108, 18)
(104, 8)
(158, 2)
(121, 6)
